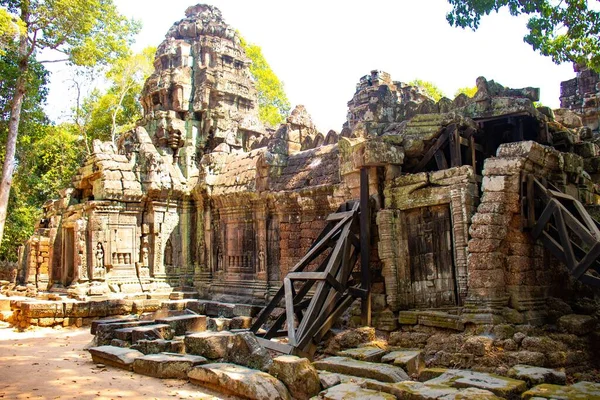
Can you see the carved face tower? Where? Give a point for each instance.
(201, 93)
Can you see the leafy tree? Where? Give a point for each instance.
(86, 32)
(565, 30)
(10, 27)
(467, 90)
(429, 88)
(110, 113)
(273, 104)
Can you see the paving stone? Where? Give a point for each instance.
(578, 391)
(240, 381)
(367, 353)
(119, 357)
(348, 391)
(499, 385)
(537, 375)
(180, 324)
(422, 391)
(298, 375)
(212, 345)
(167, 365)
(364, 369)
(409, 360)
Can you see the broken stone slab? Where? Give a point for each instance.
(431, 373)
(218, 324)
(364, 369)
(240, 381)
(409, 360)
(347, 391)
(221, 310)
(167, 365)
(328, 379)
(244, 349)
(180, 324)
(367, 353)
(350, 338)
(537, 375)
(212, 345)
(151, 332)
(298, 375)
(159, 346)
(240, 323)
(419, 390)
(98, 322)
(577, 324)
(578, 391)
(119, 357)
(109, 331)
(499, 385)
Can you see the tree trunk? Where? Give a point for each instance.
(13, 130)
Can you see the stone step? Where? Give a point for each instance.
(351, 391)
(499, 385)
(239, 381)
(537, 375)
(218, 324)
(363, 369)
(367, 353)
(180, 324)
(118, 357)
(410, 360)
(424, 391)
(183, 295)
(580, 390)
(212, 345)
(167, 365)
(96, 323)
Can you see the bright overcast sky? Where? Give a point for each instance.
(320, 49)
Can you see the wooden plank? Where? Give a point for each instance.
(454, 137)
(587, 219)
(439, 143)
(339, 215)
(552, 245)
(473, 154)
(345, 302)
(365, 247)
(264, 315)
(530, 201)
(275, 346)
(577, 227)
(590, 280)
(464, 141)
(289, 311)
(564, 239)
(307, 275)
(543, 219)
(585, 263)
(440, 159)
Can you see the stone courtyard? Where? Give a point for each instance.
(480, 243)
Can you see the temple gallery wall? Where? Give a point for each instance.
(200, 194)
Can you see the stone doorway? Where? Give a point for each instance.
(430, 249)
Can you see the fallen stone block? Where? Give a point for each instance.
(537, 375)
(107, 332)
(418, 390)
(348, 391)
(298, 375)
(212, 345)
(159, 346)
(167, 365)
(240, 323)
(246, 310)
(577, 324)
(240, 381)
(328, 379)
(119, 357)
(578, 391)
(218, 324)
(348, 366)
(222, 310)
(367, 353)
(98, 322)
(180, 324)
(244, 349)
(499, 385)
(409, 360)
(151, 332)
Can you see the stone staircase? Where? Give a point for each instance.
(215, 350)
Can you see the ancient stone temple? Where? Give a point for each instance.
(201, 194)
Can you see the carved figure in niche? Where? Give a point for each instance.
(169, 253)
(145, 251)
(219, 259)
(261, 260)
(99, 256)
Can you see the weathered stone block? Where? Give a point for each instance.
(367, 353)
(363, 369)
(298, 375)
(180, 324)
(409, 360)
(212, 345)
(244, 349)
(167, 366)
(577, 324)
(119, 357)
(537, 375)
(348, 391)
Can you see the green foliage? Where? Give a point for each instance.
(273, 104)
(114, 111)
(467, 90)
(10, 28)
(567, 30)
(429, 88)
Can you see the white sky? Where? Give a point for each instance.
(320, 49)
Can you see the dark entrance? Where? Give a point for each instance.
(68, 256)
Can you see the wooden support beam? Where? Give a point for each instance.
(439, 143)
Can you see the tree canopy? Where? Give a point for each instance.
(273, 104)
(469, 91)
(566, 30)
(429, 88)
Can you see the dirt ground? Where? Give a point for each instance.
(47, 363)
